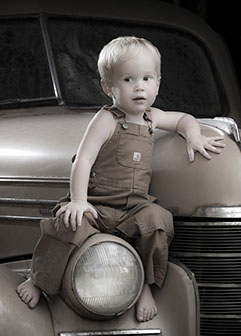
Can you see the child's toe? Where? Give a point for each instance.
(148, 314)
(21, 292)
(153, 313)
(24, 295)
(140, 316)
(27, 298)
(33, 303)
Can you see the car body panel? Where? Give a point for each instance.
(16, 318)
(177, 305)
(183, 187)
(32, 185)
(48, 134)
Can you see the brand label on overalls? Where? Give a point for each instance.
(137, 156)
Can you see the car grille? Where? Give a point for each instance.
(211, 249)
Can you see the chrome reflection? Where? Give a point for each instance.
(228, 125)
(143, 332)
(218, 212)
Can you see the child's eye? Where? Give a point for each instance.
(147, 78)
(128, 79)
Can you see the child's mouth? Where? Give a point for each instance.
(139, 98)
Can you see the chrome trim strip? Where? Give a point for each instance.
(218, 285)
(200, 254)
(50, 57)
(34, 179)
(218, 212)
(228, 125)
(27, 201)
(221, 316)
(232, 125)
(113, 332)
(182, 223)
(191, 276)
(21, 218)
(7, 102)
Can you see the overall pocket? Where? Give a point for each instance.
(134, 152)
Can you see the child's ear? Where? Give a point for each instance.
(105, 87)
(158, 85)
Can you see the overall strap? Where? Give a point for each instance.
(147, 115)
(148, 118)
(119, 115)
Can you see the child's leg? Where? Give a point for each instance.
(152, 228)
(152, 246)
(51, 256)
(146, 307)
(48, 264)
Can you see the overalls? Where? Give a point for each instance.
(118, 189)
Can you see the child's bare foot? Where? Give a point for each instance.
(29, 293)
(146, 308)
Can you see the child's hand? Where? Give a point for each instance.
(202, 144)
(73, 213)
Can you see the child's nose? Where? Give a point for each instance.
(139, 86)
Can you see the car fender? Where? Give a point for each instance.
(16, 318)
(184, 187)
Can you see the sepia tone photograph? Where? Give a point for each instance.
(120, 168)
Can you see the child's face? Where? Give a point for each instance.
(134, 83)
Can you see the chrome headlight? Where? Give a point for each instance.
(103, 278)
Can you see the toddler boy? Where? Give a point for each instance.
(111, 175)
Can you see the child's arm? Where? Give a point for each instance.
(188, 127)
(99, 130)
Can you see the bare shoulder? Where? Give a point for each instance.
(103, 124)
(99, 130)
(104, 116)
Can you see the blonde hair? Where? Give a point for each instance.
(121, 49)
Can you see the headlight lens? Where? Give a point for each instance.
(107, 277)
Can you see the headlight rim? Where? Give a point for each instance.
(68, 292)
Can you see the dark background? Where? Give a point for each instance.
(224, 17)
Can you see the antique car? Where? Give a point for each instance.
(49, 92)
